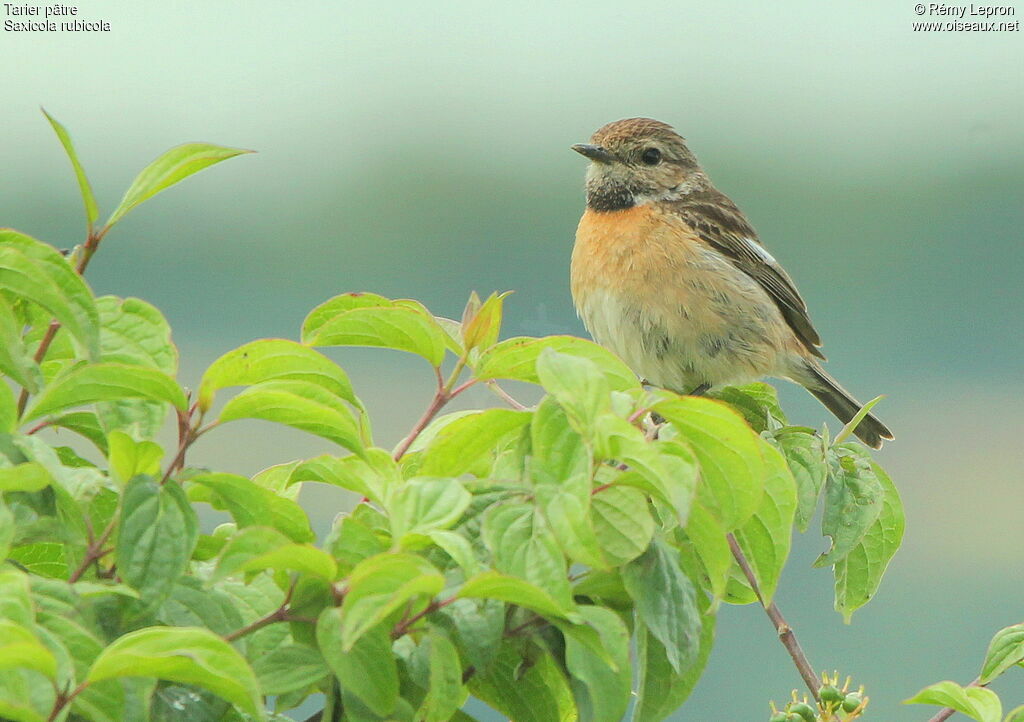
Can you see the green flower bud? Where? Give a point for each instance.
(851, 702)
(830, 695)
(806, 712)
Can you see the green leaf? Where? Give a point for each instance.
(135, 333)
(482, 328)
(368, 669)
(805, 454)
(622, 522)
(494, 585)
(516, 358)
(379, 586)
(854, 498)
(30, 476)
(372, 475)
(8, 409)
(15, 602)
(524, 547)
(1005, 650)
(252, 505)
(158, 531)
(578, 384)
(602, 690)
(274, 360)
(708, 540)
(426, 504)
(459, 548)
(662, 689)
(338, 305)
(757, 402)
(664, 469)
(301, 405)
(129, 458)
(847, 431)
(15, 360)
(20, 649)
(765, 537)
(36, 272)
(171, 167)
(47, 559)
(186, 655)
(526, 693)
(257, 548)
(729, 452)
(19, 710)
(1015, 715)
(560, 468)
(466, 440)
(92, 213)
(105, 382)
(383, 325)
(86, 424)
(975, 702)
(860, 572)
(191, 605)
(665, 602)
(289, 668)
(446, 693)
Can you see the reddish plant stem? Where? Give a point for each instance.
(402, 627)
(92, 243)
(95, 551)
(63, 700)
(278, 615)
(786, 634)
(442, 396)
(437, 403)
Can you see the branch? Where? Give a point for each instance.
(278, 615)
(402, 627)
(62, 700)
(442, 396)
(786, 634)
(95, 551)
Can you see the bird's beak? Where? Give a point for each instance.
(596, 153)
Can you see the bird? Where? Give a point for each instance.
(669, 275)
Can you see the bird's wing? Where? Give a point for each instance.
(721, 225)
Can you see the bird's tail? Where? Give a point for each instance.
(837, 400)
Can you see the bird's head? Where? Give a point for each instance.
(638, 161)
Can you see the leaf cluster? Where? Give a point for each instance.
(564, 561)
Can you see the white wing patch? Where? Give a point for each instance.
(760, 251)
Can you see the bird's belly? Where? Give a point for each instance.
(679, 313)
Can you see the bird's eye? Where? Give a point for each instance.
(651, 156)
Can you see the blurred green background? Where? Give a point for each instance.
(421, 150)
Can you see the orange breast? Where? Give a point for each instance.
(633, 251)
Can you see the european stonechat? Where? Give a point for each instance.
(669, 275)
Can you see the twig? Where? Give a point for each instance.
(92, 243)
(437, 403)
(63, 699)
(278, 615)
(94, 552)
(786, 634)
(947, 712)
(442, 396)
(493, 386)
(402, 627)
